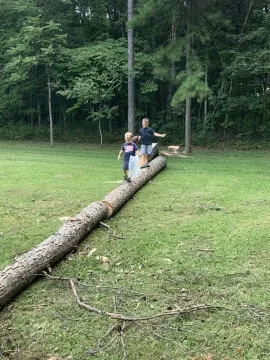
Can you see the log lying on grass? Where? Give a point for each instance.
(26, 267)
(118, 197)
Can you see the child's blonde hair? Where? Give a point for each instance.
(146, 119)
(128, 136)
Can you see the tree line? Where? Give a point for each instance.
(201, 69)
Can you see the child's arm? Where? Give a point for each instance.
(139, 137)
(120, 153)
(136, 149)
(159, 135)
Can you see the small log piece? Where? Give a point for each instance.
(174, 149)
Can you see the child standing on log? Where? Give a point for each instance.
(145, 136)
(129, 149)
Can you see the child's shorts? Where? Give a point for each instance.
(146, 149)
(125, 165)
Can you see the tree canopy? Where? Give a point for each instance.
(215, 54)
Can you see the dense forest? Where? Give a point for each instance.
(64, 68)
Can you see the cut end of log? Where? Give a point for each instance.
(174, 149)
(109, 208)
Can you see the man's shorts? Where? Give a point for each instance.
(146, 149)
(125, 165)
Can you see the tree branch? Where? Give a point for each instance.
(118, 316)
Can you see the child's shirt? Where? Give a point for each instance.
(129, 150)
(146, 135)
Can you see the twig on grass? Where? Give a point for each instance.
(206, 250)
(93, 352)
(123, 344)
(110, 232)
(118, 316)
(120, 328)
(122, 289)
(178, 197)
(104, 225)
(116, 236)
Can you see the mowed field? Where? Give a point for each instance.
(197, 234)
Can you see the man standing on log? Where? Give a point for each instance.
(145, 137)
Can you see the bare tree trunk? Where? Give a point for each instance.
(131, 99)
(99, 125)
(39, 114)
(110, 126)
(100, 132)
(50, 105)
(64, 118)
(28, 266)
(32, 118)
(205, 102)
(188, 99)
(173, 72)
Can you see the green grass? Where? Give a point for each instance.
(198, 233)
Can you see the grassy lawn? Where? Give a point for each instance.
(197, 234)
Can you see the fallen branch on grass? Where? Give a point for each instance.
(120, 288)
(122, 317)
(104, 225)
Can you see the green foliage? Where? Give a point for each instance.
(98, 74)
(192, 86)
(81, 46)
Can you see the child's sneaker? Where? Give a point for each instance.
(128, 179)
(125, 177)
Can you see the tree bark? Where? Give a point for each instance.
(188, 99)
(131, 100)
(50, 105)
(39, 114)
(118, 197)
(205, 114)
(15, 277)
(26, 267)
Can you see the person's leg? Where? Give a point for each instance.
(144, 155)
(149, 153)
(128, 178)
(145, 159)
(125, 169)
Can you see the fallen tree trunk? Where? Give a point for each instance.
(119, 196)
(26, 267)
